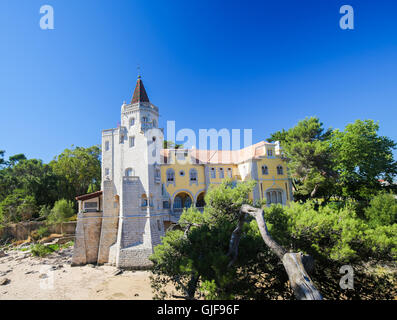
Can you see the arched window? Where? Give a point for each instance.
(213, 173)
(145, 119)
(265, 170)
(170, 175)
(200, 203)
(129, 172)
(274, 196)
(193, 174)
(144, 200)
(229, 172)
(221, 173)
(132, 142)
(280, 170)
(178, 202)
(182, 200)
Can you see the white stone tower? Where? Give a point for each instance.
(132, 216)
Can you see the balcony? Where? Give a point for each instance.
(130, 179)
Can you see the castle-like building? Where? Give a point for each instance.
(146, 187)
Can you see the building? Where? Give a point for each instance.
(146, 187)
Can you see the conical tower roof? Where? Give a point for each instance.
(140, 94)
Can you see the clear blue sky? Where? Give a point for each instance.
(206, 64)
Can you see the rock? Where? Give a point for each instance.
(4, 281)
(117, 272)
(136, 295)
(2, 254)
(90, 265)
(30, 272)
(43, 276)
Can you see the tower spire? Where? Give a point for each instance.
(140, 94)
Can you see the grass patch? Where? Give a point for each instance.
(40, 250)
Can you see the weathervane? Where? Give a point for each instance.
(138, 68)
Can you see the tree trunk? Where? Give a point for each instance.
(295, 264)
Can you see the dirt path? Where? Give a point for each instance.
(52, 277)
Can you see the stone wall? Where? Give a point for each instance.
(22, 230)
(88, 233)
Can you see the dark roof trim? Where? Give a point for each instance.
(88, 196)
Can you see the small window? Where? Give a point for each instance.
(107, 146)
(193, 174)
(280, 170)
(229, 172)
(144, 200)
(145, 119)
(154, 124)
(213, 173)
(182, 173)
(221, 173)
(132, 142)
(129, 172)
(106, 171)
(270, 153)
(132, 122)
(170, 175)
(90, 206)
(265, 170)
(166, 204)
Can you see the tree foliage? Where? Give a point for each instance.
(352, 164)
(195, 257)
(29, 188)
(310, 161)
(80, 167)
(61, 212)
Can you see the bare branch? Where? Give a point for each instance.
(294, 263)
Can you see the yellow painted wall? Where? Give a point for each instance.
(182, 183)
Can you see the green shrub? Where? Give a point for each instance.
(61, 212)
(40, 250)
(17, 206)
(382, 210)
(40, 233)
(45, 211)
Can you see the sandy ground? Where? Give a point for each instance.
(23, 276)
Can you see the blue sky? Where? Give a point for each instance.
(206, 64)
